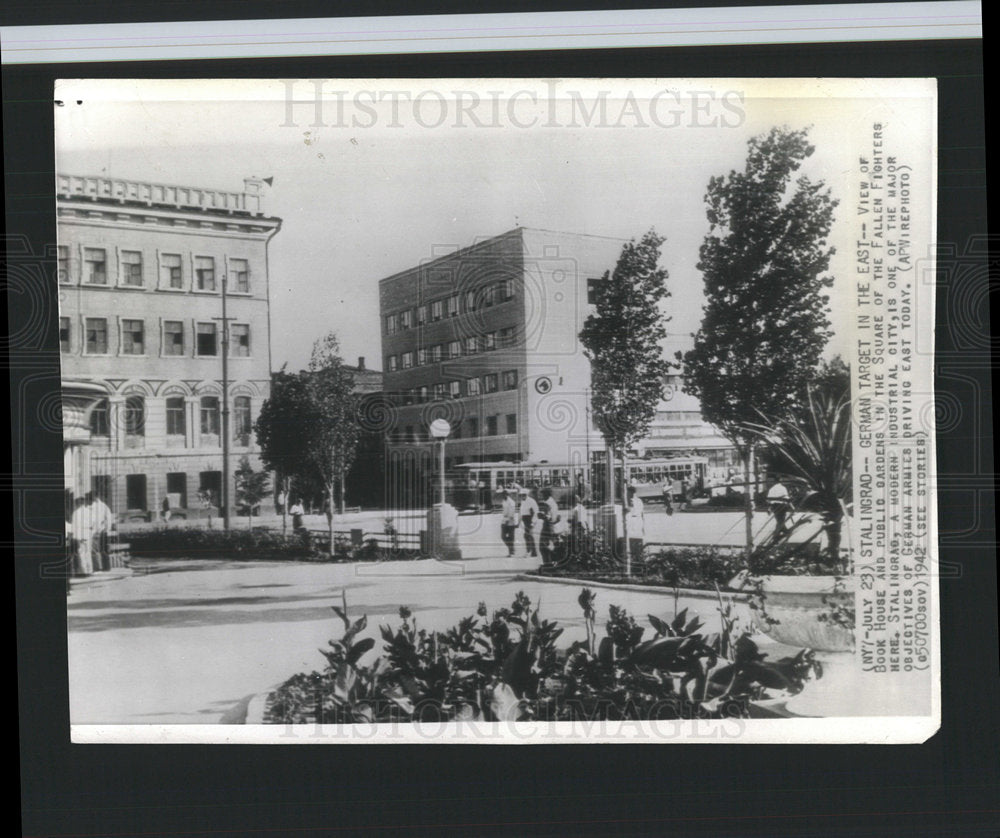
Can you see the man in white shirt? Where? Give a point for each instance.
(780, 504)
(551, 519)
(636, 523)
(103, 521)
(528, 513)
(82, 526)
(508, 520)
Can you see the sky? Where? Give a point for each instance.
(380, 186)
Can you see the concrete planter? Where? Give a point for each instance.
(791, 610)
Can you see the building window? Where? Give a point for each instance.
(455, 349)
(440, 391)
(472, 426)
(239, 273)
(176, 422)
(594, 289)
(177, 486)
(95, 266)
(99, 423)
(437, 310)
(510, 379)
(489, 341)
(135, 492)
(491, 426)
(423, 393)
(421, 315)
(62, 266)
(208, 343)
(490, 384)
(204, 273)
(470, 300)
(171, 275)
(210, 415)
(472, 387)
(405, 319)
(455, 389)
(407, 360)
(436, 351)
(407, 397)
(506, 336)
(210, 486)
(512, 423)
(507, 290)
(453, 306)
(471, 346)
(391, 326)
(173, 337)
(97, 335)
(64, 334)
(392, 363)
(133, 337)
(421, 357)
(241, 420)
(135, 416)
(131, 265)
(489, 295)
(239, 340)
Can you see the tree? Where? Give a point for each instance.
(765, 317)
(251, 487)
(308, 429)
(622, 340)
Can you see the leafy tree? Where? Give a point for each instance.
(765, 317)
(251, 487)
(622, 340)
(308, 429)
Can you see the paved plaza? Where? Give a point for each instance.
(191, 641)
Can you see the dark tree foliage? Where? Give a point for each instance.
(765, 317)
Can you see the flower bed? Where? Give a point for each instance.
(507, 666)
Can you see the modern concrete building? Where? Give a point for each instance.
(141, 272)
(488, 339)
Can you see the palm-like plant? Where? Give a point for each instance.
(812, 446)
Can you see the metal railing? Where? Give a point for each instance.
(160, 194)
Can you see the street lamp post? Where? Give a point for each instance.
(440, 429)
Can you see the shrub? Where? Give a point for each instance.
(507, 666)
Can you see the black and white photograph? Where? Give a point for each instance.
(517, 410)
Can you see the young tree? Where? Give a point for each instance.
(251, 487)
(335, 432)
(765, 316)
(622, 340)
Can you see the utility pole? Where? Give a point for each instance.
(225, 408)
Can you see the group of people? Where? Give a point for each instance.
(87, 533)
(537, 511)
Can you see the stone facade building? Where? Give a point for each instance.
(141, 271)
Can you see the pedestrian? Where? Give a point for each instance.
(82, 527)
(103, 522)
(780, 504)
(668, 497)
(508, 520)
(579, 527)
(281, 501)
(165, 509)
(551, 519)
(297, 512)
(636, 524)
(528, 511)
(685, 489)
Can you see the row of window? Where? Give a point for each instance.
(174, 339)
(482, 297)
(467, 429)
(502, 339)
(136, 489)
(209, 413)
(174, 272)
(457, 389)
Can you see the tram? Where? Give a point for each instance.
(474, 485)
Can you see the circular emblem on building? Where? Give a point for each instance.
(668, 392)
(543, 385)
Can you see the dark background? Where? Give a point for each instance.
(945, 786)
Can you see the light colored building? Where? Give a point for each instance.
(488, 339)
(141, 271)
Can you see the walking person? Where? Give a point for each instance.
(636, 522)
(508, 520)
(165, 509)
(668, 497)
(103, 522)
(551, 518)
(780, 504)
(579, 527)
(297, 511)
(82, 527)
(528, 511)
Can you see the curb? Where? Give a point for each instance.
(693, 593)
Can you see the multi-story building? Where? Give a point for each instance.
(488, 339)
(142, 267)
